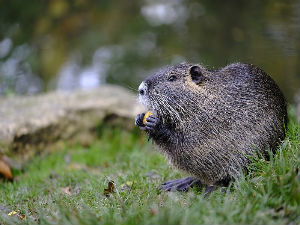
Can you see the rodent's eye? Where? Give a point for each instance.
(172, 78)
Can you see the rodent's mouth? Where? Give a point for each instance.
(145, 99)
(145, 102)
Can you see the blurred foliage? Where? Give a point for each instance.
(123, 41)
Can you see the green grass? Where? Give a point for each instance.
(269, 194)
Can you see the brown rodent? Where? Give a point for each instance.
(208, 122)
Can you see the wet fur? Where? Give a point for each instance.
(209, 129)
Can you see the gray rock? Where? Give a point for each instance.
(36, 123)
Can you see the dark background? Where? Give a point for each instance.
(63, 44)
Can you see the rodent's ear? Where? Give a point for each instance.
(196, 74)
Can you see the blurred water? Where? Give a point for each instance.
(66, 45)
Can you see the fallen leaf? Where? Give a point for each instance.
(5, 170)
(67, 190)
(12, 213)
(110, 188)
(17, 213)
(22, 216)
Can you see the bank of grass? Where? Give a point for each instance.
(67, 187)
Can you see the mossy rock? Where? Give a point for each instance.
(30, 124)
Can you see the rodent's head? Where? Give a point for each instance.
(171, 92)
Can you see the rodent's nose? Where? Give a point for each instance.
(142, 92)
(142, 88)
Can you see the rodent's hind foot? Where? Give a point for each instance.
(209, 190)
(183, 184)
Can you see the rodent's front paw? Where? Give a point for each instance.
(152, 123)
(139, 120)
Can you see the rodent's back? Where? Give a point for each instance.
(218, 121)
(255, 101)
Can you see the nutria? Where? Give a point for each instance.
(208, 122)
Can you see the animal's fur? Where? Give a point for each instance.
(210, 128)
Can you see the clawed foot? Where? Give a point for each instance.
(151, 124)
(139, 120)
(209, 190)
(182, 184)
